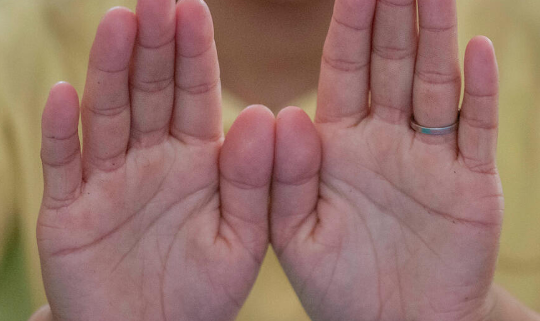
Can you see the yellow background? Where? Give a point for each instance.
(43, 41)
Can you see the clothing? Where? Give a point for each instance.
(48, 41)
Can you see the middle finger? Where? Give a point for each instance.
(392, 59)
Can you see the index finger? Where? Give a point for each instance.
(344, 80)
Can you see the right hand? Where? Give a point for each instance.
(159, 218)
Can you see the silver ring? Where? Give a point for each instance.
(434, 130)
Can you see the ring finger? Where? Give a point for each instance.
(437, 79)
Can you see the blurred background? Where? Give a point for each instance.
(44, 41)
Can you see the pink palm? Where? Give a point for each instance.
(390, 224)
(159, 219)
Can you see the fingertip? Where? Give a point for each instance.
(255, 120)
(200, 4)
(121, 18)
(156, 19)
(284, 113)
(260, 111)
(63, 91)
(115, 39)
(248, 150)
(481, 41)
(298, 147)
(118, 10)
(195, 29)
(480, 50)
(61, 113)
(481, 70)
(153, 7)
(295, 119)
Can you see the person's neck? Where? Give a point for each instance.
(270, 52)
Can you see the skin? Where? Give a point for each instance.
(370, 219)
(160, 218)
(392, 224)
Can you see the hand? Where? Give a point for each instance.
(370, 219)
(158, 219)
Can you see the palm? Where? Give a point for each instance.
(162, 231)
(131, 228)
(404, 233)
(392, 224)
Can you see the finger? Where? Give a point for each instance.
(106, 103)
(344, 79)
(392, 60)
(296, 176)
(246, 167)
(60, 147)
(437, 79)
(478, 124)
(197, 108)
(152, 72)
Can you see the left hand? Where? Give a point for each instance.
(370, 219)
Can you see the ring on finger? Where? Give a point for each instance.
(435, 130)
